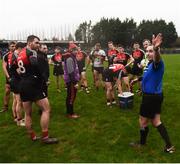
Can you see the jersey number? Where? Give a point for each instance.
(21, 66)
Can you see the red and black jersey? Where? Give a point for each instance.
(111, 54)
(57, 58)
(122, 58)
(138, 55)
(117, 67)
(81, 59)
(14, 66)
(8, 60)
(81, 56)
(43, 65)
(27, 63)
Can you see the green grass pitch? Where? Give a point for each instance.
(101, 134)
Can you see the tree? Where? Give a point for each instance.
(129, 29)
(83, 33)
(54, 38)
(99, 30)
(144, 30)
(125, 32)
(70, 37)
(45, 39)
(170, 35)
(114, 30)
(177, 42)
(147, 28)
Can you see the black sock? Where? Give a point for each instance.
(143, 135)
(164, 134)
(19, 119)
(69, 109)
(108, 100)
(113, 100)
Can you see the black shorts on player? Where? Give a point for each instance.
(58, 70)
(107, 75)
(45, 88)
(15, 85)
(151, 105)
(99, 69)
(81, 67)
(135, 70)
(31, 89)
(119, 74)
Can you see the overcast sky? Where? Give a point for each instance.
(27, 15)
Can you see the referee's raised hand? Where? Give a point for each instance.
(156, 41)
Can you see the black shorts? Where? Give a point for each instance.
(107, 75)
(45, 88)
(128, 69)
(58, 70)
(136, 70)
(119, 74)
(15, 85)
(151, 105)
(81, 67)
(31, 90)
(99, 69)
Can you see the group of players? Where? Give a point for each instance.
(14, 70)
(58, 61)
(26, 69)
(27, 76)
(122, 67)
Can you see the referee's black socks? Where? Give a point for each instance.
(164, 134)
(143, 135)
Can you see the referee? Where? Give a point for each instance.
(153, 96)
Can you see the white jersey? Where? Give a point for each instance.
(98, 61)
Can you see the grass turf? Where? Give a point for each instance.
(101, 134)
